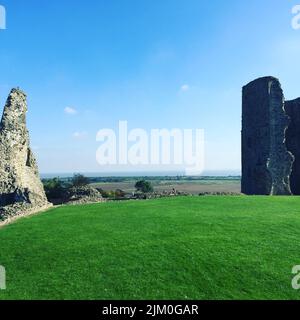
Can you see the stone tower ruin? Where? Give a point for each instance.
(270, 140)
(292, 109)
(21, 189)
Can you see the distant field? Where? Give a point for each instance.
(192, 187)
(180, 248)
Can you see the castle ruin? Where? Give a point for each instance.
(21, 190)
(270, 140)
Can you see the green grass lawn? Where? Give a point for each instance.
(179, 248)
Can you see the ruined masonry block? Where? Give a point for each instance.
(292, 109)
(266, 162)
(20, 186)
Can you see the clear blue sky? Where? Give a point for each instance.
(128, 60)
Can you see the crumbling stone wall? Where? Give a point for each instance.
(292, 109)
(266, 162)
(20, 186)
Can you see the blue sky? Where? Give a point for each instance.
(155, 63)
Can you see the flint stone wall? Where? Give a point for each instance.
(20, 185)
(266, 161)
(292, 109)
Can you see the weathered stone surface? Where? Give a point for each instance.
(20, 186)
(266, 162)
(292, 109)
(84, 194)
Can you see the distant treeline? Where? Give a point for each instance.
(151, 178)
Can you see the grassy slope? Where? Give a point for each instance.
(181, 248)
